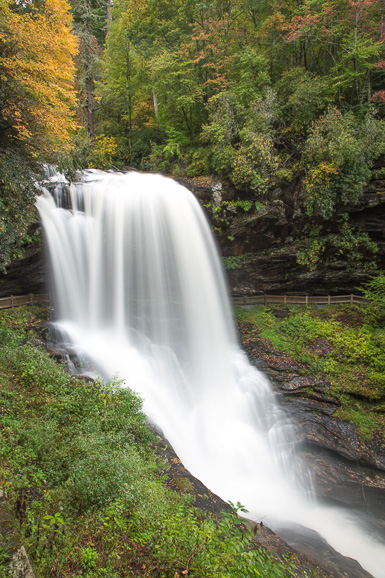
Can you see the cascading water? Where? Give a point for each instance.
(140, 292)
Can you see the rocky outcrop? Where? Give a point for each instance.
(275, 235)
(14, 554)
(272, 234)
(25, 275)
(309, 401)
(277, 271)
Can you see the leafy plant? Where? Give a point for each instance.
(339, 152)
(79, 461)
(254, 162)
(236, 261)
(102, 154)
(18, 175)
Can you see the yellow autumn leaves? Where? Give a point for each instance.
(37, 72)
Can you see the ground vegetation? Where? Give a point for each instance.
(342, 344)
(79, 467)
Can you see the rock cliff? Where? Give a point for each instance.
(271, 233)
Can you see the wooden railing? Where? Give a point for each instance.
(17, 300)
(300, 299)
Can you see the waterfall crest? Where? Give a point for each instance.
(141, 294)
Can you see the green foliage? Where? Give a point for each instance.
(236, 261)
(77, 458)
(341, 343)
(349, 245)
(17, 196)
(249, 75)
(254, 162)
(221, 132)
(144, 140)
(255, 93)
(303, 99)
(312, 254)
(339, 152)
(89, 557)
(375, 290)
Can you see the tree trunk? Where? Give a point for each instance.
(129, 97)
(155, 101)
(90, 107)
(109, 15)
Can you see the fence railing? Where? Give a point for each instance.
(300, 299)
(17, 300)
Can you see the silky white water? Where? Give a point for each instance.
(140, 293)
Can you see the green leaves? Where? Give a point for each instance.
(79, 458)
(17, 211)
(339, 152)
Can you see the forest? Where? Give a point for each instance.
(256, 93)
(280, 104)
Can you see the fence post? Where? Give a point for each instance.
(351, 299)
(284, 299)
(264, 298)
(12, 301)
(307, 300)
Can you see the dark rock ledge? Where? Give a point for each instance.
(308, 400)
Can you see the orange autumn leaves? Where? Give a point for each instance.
(37, 72)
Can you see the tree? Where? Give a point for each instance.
(91, 23)
(339, 153)
(37, 73)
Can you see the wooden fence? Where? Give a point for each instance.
(300, 299)
(17, 300)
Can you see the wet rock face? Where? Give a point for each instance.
(272, 236)
(25, 275)
(330, 444)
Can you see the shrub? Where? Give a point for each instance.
(338, 153)
(18, 175)
(254, 162)
(104, 149)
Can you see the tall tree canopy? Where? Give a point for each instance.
(37, 107)
(233, 86)
(37, 71)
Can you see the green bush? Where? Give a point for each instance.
(18, 175)
(143, 142)
(254, 162)
(76, 459)
(341, 343)
(338, 153)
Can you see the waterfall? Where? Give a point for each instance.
(141, 294)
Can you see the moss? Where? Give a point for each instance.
(340, 343)
(183, 485)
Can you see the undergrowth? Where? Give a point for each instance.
(345, 344)
(78, 469)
